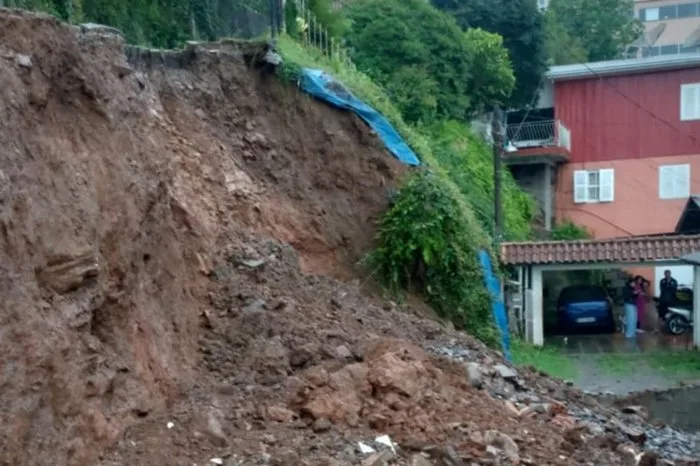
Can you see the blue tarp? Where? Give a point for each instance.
(322, 86)
(493, 284)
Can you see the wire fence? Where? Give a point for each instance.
(309, 30)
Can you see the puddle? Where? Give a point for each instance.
(677, 408)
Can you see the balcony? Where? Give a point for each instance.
(546, 141)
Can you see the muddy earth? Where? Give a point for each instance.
(178, 240)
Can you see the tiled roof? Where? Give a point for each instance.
(629, 249)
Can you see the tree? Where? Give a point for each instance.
(603, 27)
(562, 48)
(427, 63)
(522, 27)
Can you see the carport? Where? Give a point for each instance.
(530, 259)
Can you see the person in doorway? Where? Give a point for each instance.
(640, 301)
(668, 286)
(629, 296)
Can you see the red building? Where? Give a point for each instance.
(614, 146)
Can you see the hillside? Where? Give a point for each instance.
(174, 226)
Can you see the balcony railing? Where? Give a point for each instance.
(547, 133)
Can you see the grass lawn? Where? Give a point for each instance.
(674, 364)
(547, 359)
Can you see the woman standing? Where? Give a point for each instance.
(629, 295)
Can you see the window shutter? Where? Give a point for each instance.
(666, 182)
(580, 186)
(682, 181)
(607, 185)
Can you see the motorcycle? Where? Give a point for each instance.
(678, 320)
(679, 315)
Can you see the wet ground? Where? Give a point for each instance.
(611, 364)
(582, 345)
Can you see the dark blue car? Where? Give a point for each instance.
(582, 307)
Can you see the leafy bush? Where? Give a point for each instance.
(568, 230)
(425, 246)
(469, 160)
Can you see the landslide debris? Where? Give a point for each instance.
(172, 225)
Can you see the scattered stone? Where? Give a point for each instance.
(420, 460)
(474, 375)
(215, 431)
(25, 61)
(636, 435)
(637, 410)
(343, 353)
(648, 458)
(322, 424)
(280, 414)
(505, 371)
(382, 458)
(253, 263)
(300, 356)
(316, 376)
(256, 305)
(503, 442)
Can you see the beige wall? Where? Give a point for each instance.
(677, 30)
(637, 208)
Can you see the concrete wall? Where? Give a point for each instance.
(531, 179)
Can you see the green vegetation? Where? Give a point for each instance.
(522, 28)
(545, 359)
(568, 230)
(676, 364)
(600, 29)
(428, 240)
(429, 66)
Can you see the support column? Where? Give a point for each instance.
(696, 305)
(537, 307)
(547, 194)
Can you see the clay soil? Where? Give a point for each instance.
(177, 252)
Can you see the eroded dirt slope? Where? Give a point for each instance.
(118, 185)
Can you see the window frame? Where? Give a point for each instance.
(646, 16)
(671, 170)
(605, 186)
(684, 112)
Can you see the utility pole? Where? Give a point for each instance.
(497, 134)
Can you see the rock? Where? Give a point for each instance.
(287, 458)
(254, 306)
(636, 435)
(512, 409)
(321, 424)
(648, 458)
(67, 273)
(215, 431)
(420, 460)
(381, 458)
(474, 375)
(640, 411)
(343, 353)
(25, 61)
(280, 414)
(300, 356)
(316, 376)
(505, 371)
(504, 442)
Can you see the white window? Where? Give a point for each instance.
(594, 186)
(651, 14)
(674, 181)
(690, 102)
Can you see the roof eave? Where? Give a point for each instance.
(622, 67)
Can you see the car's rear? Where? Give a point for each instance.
(585, 307)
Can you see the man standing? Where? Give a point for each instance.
(667, 293)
